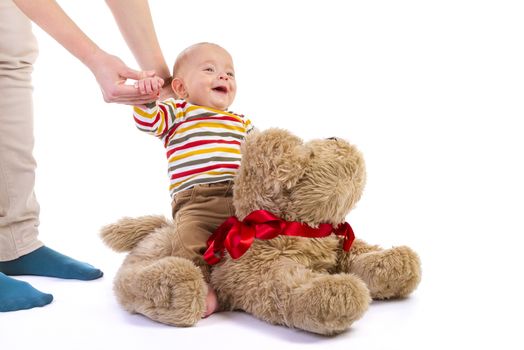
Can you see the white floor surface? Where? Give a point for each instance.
(431, 92)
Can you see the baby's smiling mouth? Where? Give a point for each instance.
(221, 89)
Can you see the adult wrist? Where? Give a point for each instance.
(93, 58)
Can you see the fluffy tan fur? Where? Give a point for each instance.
(151, 281)
(310, 284)
(127, 232)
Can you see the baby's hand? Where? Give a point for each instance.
(149, 85)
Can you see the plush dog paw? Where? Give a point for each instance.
(390, 273)
(171, 290)
(329, 304)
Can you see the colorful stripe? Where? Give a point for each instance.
(202, 144)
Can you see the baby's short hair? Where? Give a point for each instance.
(183, 56)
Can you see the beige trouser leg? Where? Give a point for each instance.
(18, 206)
(197, 213)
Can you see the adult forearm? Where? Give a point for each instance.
(110, 72)
(136, 25)
(49, 16)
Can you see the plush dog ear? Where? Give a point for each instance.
(272, 161)
(276, 156)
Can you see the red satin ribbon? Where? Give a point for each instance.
(237, 236)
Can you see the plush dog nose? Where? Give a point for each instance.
(332, 138)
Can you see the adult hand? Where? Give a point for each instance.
(112, 74)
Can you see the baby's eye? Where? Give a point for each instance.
(231, 74)
(209, 69)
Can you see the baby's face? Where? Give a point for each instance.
(209, 77)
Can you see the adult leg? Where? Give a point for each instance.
(18, 206)
(21, 253)
(18, 209)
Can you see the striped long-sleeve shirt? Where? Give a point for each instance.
(202, 143)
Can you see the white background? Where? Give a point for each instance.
(430, 91)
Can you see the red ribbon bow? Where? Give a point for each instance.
(237, 236)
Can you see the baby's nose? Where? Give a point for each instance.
(223, 76)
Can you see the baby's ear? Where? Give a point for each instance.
(275, 156)
(179, 88)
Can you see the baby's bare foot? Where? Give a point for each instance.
(211, 301)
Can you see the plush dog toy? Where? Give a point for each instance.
(288, 257)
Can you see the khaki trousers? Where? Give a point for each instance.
(18, 206)
(197, 213)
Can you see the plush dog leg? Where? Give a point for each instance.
(327, 304)
(287, 293)
(170, 290)
(388, 273)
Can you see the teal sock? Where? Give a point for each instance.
(47, 262)
(19, 295)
